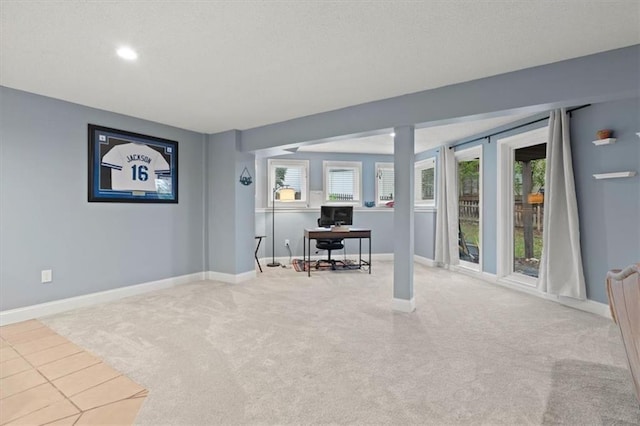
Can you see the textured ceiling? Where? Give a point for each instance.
(214, 66)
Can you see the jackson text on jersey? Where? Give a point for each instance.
(138, 157)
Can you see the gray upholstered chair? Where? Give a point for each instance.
(623, 288)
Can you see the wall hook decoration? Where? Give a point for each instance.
(245, 177)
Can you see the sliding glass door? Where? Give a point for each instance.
(521, 197)
(469, 180)
(529, 165)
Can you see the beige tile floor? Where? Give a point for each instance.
(45, 379)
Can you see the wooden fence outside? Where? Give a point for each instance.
(469, 211)
(537, 210)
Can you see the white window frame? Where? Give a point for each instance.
(272, 164)
(357, 189)
(429, 163)
(380, 166)
(466, 155)
(506, 156)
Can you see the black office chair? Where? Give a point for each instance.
(329, 245)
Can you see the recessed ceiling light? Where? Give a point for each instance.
(127, 53)
(393, 135)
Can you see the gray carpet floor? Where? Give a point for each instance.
(287, 349)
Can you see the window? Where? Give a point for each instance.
(292, 174)
(384, 183)
(342, 182)
(425, 184)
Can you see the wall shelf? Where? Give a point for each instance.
(607, 141)
(614, 175)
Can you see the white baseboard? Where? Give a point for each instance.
(403, 305)
(57, 306)
(282, 260)
(587, 305)
(424, 261)
(230, 278)
(591, 306)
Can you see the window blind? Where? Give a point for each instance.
(342, 184)
(385, 184)
(427, 184)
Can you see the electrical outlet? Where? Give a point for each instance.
(286, 243)
(46, 276)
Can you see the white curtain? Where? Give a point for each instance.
(561, 264)
(447, 216)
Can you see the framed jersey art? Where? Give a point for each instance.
(129, 167)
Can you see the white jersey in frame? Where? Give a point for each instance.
(134, 167)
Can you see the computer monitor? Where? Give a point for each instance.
(336, 215)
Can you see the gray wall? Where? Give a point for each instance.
(47, 223)
(425, 233)
(231, 205)
(609, 210)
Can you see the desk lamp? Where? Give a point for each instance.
(287, 194)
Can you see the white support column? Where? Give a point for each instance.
(403, 166)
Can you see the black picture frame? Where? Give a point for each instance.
(128, 167)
